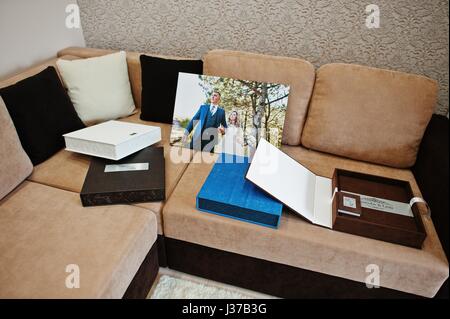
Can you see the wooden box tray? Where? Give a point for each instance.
(374, 223)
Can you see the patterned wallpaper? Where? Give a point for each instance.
(412, 37)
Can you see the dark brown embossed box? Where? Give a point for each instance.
(374, 223)
(139, 177)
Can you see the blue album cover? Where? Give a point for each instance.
(226, 192)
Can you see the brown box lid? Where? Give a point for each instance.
(139, 177)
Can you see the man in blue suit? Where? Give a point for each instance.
(211, 121)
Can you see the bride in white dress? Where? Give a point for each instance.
(233, 140)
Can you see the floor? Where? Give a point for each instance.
(206, 282)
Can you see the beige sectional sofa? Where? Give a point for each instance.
(43, 220)
(296, 242)
(44, 228)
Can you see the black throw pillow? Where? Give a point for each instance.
(159, 86)
(42, 112)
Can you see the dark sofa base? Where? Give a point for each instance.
(265, 276)
(161, 251)
(143, 280)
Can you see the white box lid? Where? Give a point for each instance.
(292, 184)
(111, 132)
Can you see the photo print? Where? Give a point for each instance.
(224, 115)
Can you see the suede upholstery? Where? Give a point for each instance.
(47, 227)
(369, 114)
(42, 113)
(38, 240)
(67, 170)
(15, 163)
(35, 69)
(108, 243)
(134, 65)
(301, 244)
(297, 73)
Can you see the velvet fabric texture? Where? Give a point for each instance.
(42, 112)
(67, 170)
(15, 164)
(432, 176)
(44, 229)
(301, 244)
(34, 70)
(159, 85)
(258, 275)
(297, 73)
(369, 114)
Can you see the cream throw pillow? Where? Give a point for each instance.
(99, 87)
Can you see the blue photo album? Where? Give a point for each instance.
(226, 192)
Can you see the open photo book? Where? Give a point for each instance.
(361, 204)
(292, 184)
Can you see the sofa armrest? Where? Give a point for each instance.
(431, 173)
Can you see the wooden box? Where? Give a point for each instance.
(373, 223)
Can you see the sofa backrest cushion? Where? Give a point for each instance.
(159, 86)
(369, 114)
(134, 65)
(99, 87)
(34, 70)
(41, 112)
(298, 74)
(15, 163)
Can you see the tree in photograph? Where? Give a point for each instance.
(261, 106)
(276, 106)
(260, 92)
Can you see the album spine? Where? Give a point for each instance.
(125, 197)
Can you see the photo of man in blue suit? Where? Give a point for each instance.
(207, 123)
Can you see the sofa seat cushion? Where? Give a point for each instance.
(297, 73)
(67, 170)
(44, 229)
(301, 244)
(369, 114)
(64, 170)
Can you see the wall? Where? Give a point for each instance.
(32, 31)
(413, 34)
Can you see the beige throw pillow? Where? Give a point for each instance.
(99, 87)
